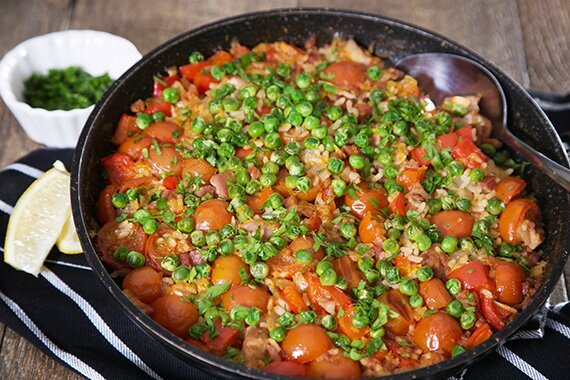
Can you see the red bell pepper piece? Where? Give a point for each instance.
(419, 154)
(397, 205)
(473, 276)
(465, 133)
(170, 182)
(490, 311)
(190, 70)
(226, 337)
(164, 107)
(158, 87)
(448, 140)
(468, 154)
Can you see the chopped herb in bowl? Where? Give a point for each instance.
(65, 89)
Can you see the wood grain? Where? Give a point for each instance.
(547, 45)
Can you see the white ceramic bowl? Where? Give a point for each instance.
(96, 52)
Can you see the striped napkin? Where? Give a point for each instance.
(68, 314)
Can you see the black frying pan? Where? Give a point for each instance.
(388, 38)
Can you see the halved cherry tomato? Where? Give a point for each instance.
(174, 314)
(144, 283)
(346, 74)
(308, 195)
(410, 176)
(220, 57)
(313, 222)
(162, 131)
(398, 302)
(473, 276)
(126, 127)
(287, 368)
(347, 269)
(294, 299)
(468, 154)
(159, 245)
(514, 215)
(257, 200)
(170, 182)
(190, 71)
(118, 167)
(508, 188)
(203, 82)
(466, 133)
(334, 367)
(448, 140)
(405, 266)
(133, 146)
(345, 323)
(284, 265)
(227, 269)
(158, 87)
(319, 294)
(195, 167)
(490, 311)
(454, 223)
(105, 210)
(243, 152)
(420, 155)
(165, 160)
(245, 295)
(371, 229)
(226, 337)
(509, 279)
(132, 237)
(437, 332)
(305, 343)
(212, 215)
(368, 200)
(480, 335)
(397, 205)
(435, 294)
(165, 108)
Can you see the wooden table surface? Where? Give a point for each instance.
(529, 39)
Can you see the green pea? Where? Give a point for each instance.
(501, 158)
(143, 120)
(424, 273)
(347, 230)
(150, 226)
(374, 73)
(408, 287)
(286, 319)
(488, 149)
(213, 238)
(244, 213)
(382, 266)
(170, 95)
(335, 165)
(322, 266)
(308, 316)
(185, 225)
(338, 187)
(393, 275)
(259, 270)
(400, 128)
(121, 253)
(253, 317)
(195, 57)
(230, 104)
(376, 96)
(391, 246)
(158, 116)
(253, 187)
(226, 246)
(329, 322)
(334, 113)
(457, 350)
(256, 129)
(283, 70)
(506, 250)
(198, 239)
(272, 140)
(463, 204)
(311, 122)
(360, 320)
(416, 301)
(394, 234)
(449, 244)
(455, 168)
(135, 259)
(278, 334)
(181, 274)
(413, 232)
(303, 256)
(467, 320)
(119, 200)
(390, 171)
(217, 72)
(132, 194)
(453, 286)
(357, 162)
(454, 308)
(423, 242)
(365, 263)
(372, 275)
(384, 157)
(304, 184)
(311, 143)
(494, 206)
(328, 277)
(198, 125)
(399, 223)
(291, 181)
(170, 263)
(319, 132)
(448, 202)
(476, 175)
(434, 206)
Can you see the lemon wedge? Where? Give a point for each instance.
(68, 241)
(38, 220)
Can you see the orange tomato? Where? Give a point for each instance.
(347, 327)
(133, 146)
(165, 160)
(212, 215)
(308, 195)
(245, 295)
(127, 127)
(514, 215)
(334, 367)
(371, 229)
(468, 154)
(162, 131)
(435, 294)
(174, 314)
(454, 223)
(480, 335)
(508, 188)
(397, 206)
(305, 343)
(294, 299)
(195, 167)
(346, 74)
(411, 176)
(287, 368)
(105, 210)
(227, 269)
(473, 276)
(437, 332)
(284, 265)
(144, 283)
(157, 247)
(509, 279)
(368, 200)
(398, 302)
(118, 167)
(347, 269)
(108, 242)
(257, 200)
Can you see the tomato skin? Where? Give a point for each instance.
(509, 279)
(510, 187)
(436, 332)
(156, 248)
(168, 161)
(284, 265)
(163, 107)
(212, 215)
(195, 167)
(371, 229)
(294, 299)
(490, 312)
(305, 343)
(514, 215)
(420, 155)
(480, 335)
(105, 210)
(368, 200)
(435, 294)
(347, 269)
(346, 74)
(170, 182)
(347, 327)
(108, 243)
(175, 315)
(334, 367)
(157, 87)
(162, 131)
(243, 152)
(119, 168)
(468, 154)
(190, 70)
(473, 276)
(287, 368)
(448, 140)
(398, 302)
(397, 206)
(245, 295)
(454, 223)
(133, 146)
(125, 128)
(144, 283)
(227, 268)
(411, 176)
(257, 200)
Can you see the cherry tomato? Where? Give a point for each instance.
(411, 176)
(493, 314)
(294, 299)
(195, 167)
(131, 237)
(346, 325)
(105, 210)
(509, 279)
(308, 195)
(144, 283)
(133, 146)
(170, 182)
(371, 229)
(174, 314)
(257, 200)
(127, 127)
(163, 107)
(398, 302)
(165, 160)
(227, 269)
(468, 154)
(435, 294)
(212, 215)
(334, 367)
(159, 245)
(437, 332)
(514, 215)
(346, 74)
(448, 140)
(454, 223)
(163, 131)
(287, 368)
(347, 269)
(368, 200)
(305, 343)
(480, 335)
(397, 206)
(157, 87)
(508, 188)
(465, 133)
(284, 265)
(245, 295)
(118, 167)
(420, 155)
(473, 276)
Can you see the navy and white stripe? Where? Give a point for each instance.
(69, 315)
